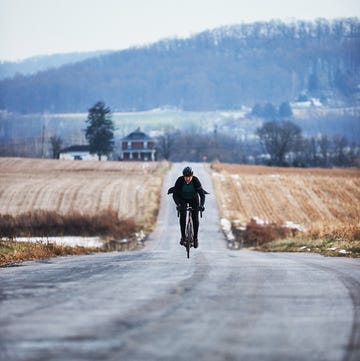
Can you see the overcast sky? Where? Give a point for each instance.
(38, 27)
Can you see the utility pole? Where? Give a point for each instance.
(42, 141)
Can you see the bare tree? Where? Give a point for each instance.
(56, 143)
(340, 150)
(324, 144)
(308, 155)
(278, 139)
(164, 145)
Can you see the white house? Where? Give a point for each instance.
(137, 146)
(79, 152)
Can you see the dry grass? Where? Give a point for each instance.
(324, 246)
(326, 202)
(51, 224)
(13, 252)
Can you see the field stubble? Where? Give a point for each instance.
(85, 187)
(324, 203)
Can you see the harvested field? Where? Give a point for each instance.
(323, 201)
(85, 187)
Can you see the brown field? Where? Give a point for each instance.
(85, 187)
(324, 201)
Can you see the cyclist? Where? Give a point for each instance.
(187, 191)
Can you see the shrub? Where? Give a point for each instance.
(257, 234)
(40, 223)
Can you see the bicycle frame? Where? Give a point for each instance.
(189, 230)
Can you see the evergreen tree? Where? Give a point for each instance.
(257, 110)
(100, 130)
(285, 110)
(269, 111)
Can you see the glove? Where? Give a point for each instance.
(201, 208)
(179, 207)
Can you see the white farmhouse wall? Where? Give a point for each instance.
(80, 156)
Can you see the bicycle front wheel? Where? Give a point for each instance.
(189, 235)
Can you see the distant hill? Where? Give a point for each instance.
(219, 69)
(35, 64)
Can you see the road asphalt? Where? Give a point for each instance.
(155, 304)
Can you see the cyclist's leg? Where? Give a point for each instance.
(183, 222)
(179, 201)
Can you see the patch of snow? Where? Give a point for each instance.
(303, 104)
(140, 237)
(259, 221)
(344, 251)
(313, 102)
(226, 226)
(90, 242)
(235, 245)
(316, 102)
(239, 225)
(292, 225)
(219, 175)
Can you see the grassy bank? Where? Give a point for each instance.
(341, 240)
(326, 247)
(334, 240)
(14, 252)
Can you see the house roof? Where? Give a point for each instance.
(76, 148)
(137, 135)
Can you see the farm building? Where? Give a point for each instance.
(137, 146)
(78, 152)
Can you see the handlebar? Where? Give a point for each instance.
(188, 208)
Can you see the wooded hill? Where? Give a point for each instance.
(38, 63)
(219, 69)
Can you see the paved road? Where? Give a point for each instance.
(155, 304)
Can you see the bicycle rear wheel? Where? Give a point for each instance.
(188, 249)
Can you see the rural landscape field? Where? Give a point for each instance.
(316, 204)
(319, 203)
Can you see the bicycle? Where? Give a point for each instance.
(189, 230)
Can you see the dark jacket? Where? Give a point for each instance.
(177, 189)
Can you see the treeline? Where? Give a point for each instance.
(275, 147)
(277, 144)
(220, 69)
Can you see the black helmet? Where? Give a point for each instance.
(187, 171)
